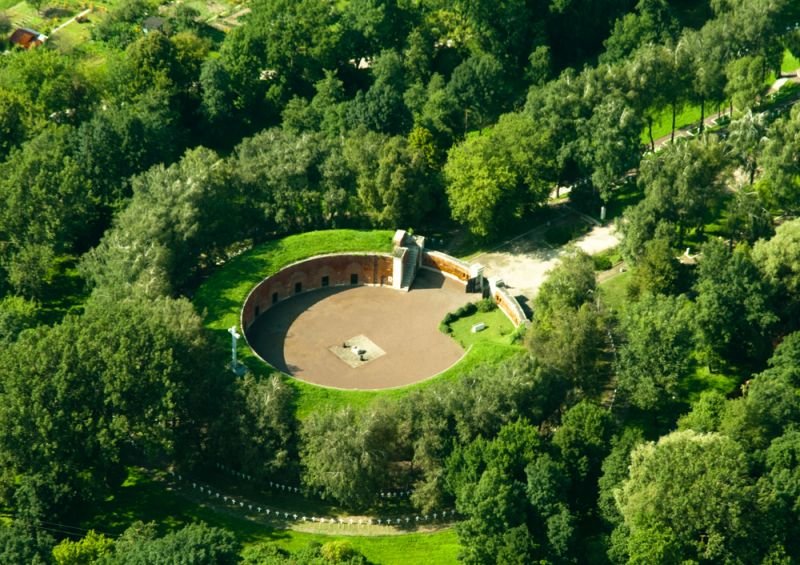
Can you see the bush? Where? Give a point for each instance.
(518, 335)
(601, 262)
(561, 234)
(486, 305)
(340, 551)
(467, 309)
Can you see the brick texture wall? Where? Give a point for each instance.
(371, 269)
(446, 264)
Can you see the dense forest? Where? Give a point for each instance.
(136, 164)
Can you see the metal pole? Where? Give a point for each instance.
(234, 337)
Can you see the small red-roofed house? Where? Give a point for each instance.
(27, 38)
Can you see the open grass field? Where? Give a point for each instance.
(145, 496)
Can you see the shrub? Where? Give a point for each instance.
(602, 262)
(486, 305)
(339, 551)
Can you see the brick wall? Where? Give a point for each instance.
(456, 268)
(370, 269)
(509, 305)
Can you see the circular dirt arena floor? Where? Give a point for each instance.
(395, 334)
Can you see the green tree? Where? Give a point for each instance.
(23, 542)
(734, 315)
(695, 493)
(393, 182)
(657, 268)
(373, 25)
(16, 315)
(657, 353)
(610, 143)
(778, 259)
(614, 471)
(780, 486)
(652, 22)
(748, 219)
(494, 177)
(43, 473)
(706, 414)
(121, 26)
(382, 108)
(345, 454)
(176, 218)
(479, 88)
(259, 431)
(30, 269)
(12, 121)
(745, 80)
(90, 549)
(571, 284)
(683, 184)
(747, 135)
(582, 442)
(482, 188)
(780, 182)
(571, 342)
(195, 544)
(768, 408)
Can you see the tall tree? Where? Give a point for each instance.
(689, 497)
(570, 284)
(656, 354)
(345, 454)
(780, 183)
(734, 313)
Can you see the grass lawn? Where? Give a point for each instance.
(703, 379)
(144, 496)
(498, 329)
(662, 124)
(614, 291)
(790, 62)
(23, 14)
(73, 36)
(222, 295)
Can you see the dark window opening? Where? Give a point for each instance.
(274, 297)
(354, 278)
(298, 287)
(326, 280)
(258, 311)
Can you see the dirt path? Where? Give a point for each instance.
(69, 21)
(523, 263)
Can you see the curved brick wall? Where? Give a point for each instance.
(454, 268)
(309, 274)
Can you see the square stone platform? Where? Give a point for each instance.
(357, 351)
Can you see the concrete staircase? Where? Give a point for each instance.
(410, 263)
